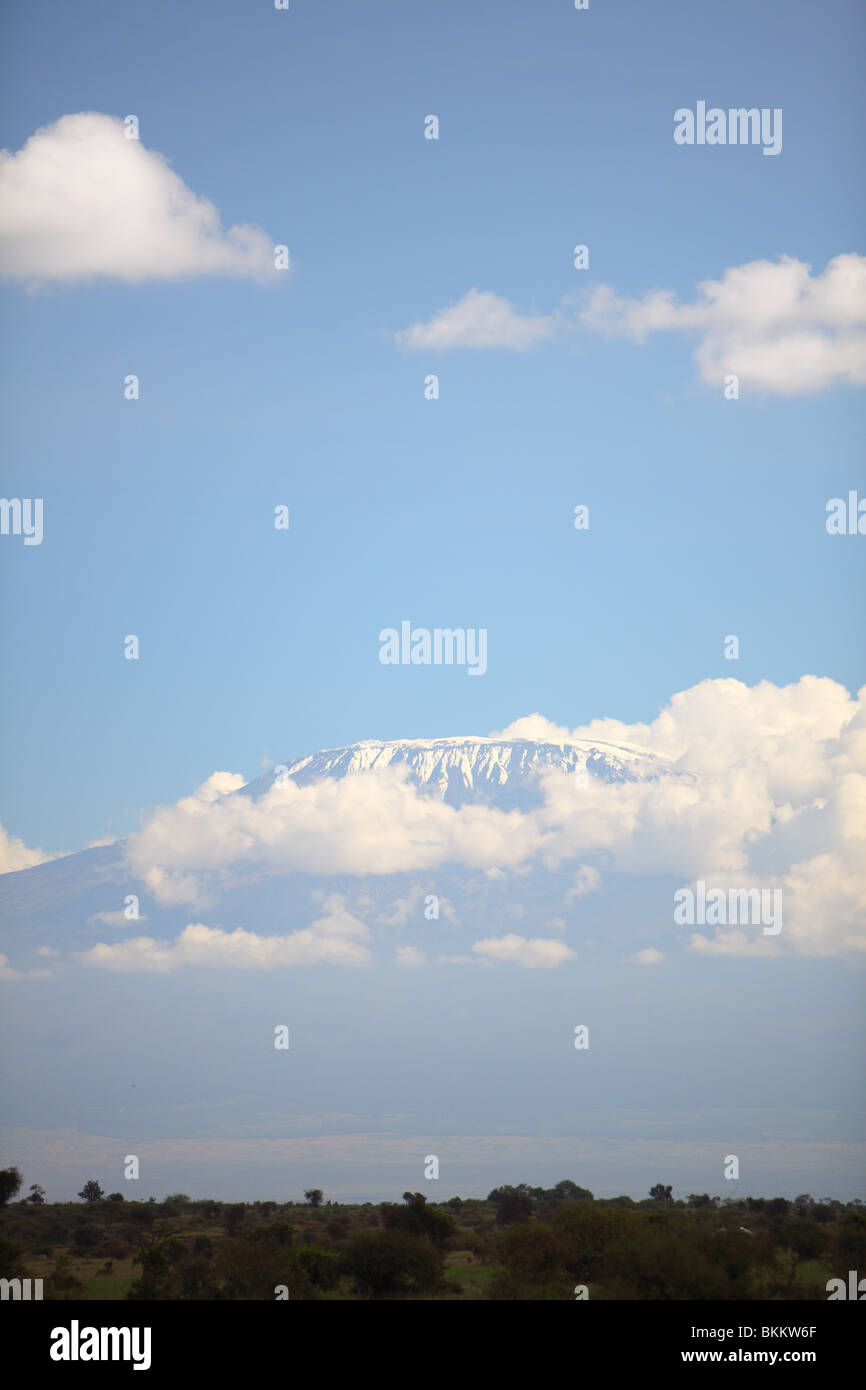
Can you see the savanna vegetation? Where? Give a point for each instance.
(519, 1243)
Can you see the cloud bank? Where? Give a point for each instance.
(80, 200)
(775, 325)
(337, 937)
(775, 797)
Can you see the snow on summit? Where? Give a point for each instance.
(463, 768)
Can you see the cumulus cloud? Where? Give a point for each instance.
(766, 788)
(336, 938)
(536, 953)
(773, 324)
(479, 320)
(80, 200)
(371, 824)
(15, 855)
(535, 727)
(648, 956)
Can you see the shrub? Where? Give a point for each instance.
(62, 1283)
(85, 1237)
(390, 1263)
(321, 1267)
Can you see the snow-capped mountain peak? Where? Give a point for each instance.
(474, 767)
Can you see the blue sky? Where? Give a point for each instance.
(258, 645)
(555, 129)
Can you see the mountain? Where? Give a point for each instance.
(82, 894)
(500, 772)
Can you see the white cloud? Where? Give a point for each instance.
(537, 953)
(775, 325)
(479, 320)
(335, 938)
(114, 919)
(15, 855)
(398, 914)
(768, 789)
(80, 200)
(410, 956)
(588, 880)
(648, 956)
(375, 824)
(536, 728)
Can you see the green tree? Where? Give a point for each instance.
(808, 1239)
(777, 1206)
(568, 1191)
(385, 1264)
(10, 1182)
(417, 1218)
(512, 1203)
(85, 1237)
(321, 1267)
(37, 1195)
(278, 1233)
(91, 1191)
(654, 1261)
(660, 1193)
(851, 1241)
(11, 1256)
(587, 1229)
(233, 1217)
(314, 1196)
(534, 1254)
(253, 1270)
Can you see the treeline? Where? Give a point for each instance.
(520, 1243)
